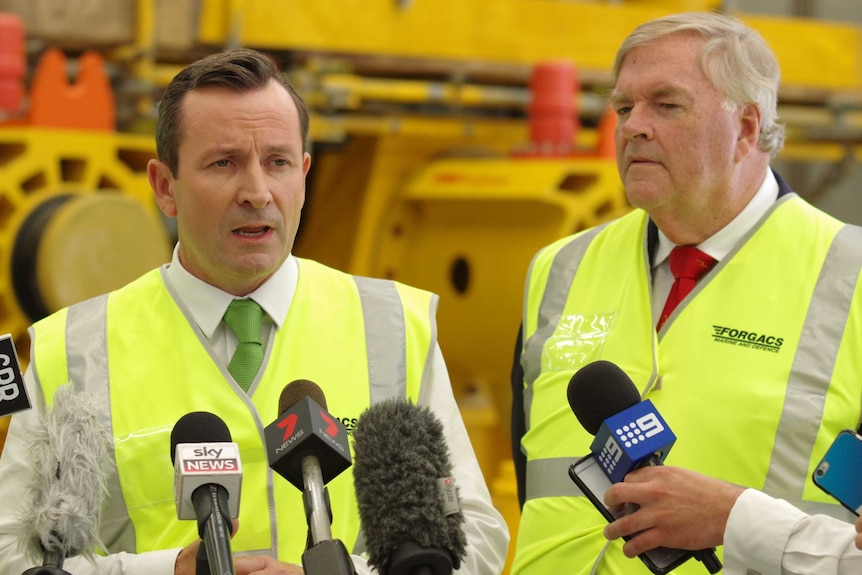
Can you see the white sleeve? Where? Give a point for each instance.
(16, 468)
(772, 537)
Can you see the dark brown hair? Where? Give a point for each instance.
(241, 69)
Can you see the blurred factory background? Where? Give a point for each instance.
(451, 140)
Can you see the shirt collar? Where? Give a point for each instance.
(207, 303)
(720, 243)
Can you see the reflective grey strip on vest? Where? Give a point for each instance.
(550, 478)
(552, 475)
(813, 366)
(87, 364)
(386, 342)
(560, 278)
(385, 338)
(386, 348)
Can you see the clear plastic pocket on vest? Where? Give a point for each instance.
(578, 340)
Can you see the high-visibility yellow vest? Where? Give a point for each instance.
(360, 339)
(756, 371)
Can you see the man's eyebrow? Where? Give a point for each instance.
(672, 91)
(663, 92)
(617, 98)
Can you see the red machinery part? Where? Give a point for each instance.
(13, 63)
(553, 86)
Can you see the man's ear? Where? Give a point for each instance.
(162, 182)
(749, 131)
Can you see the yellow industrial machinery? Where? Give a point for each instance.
(77, 215)
(428, 165)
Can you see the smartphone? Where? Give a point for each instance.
(593, 482)
(839, 473)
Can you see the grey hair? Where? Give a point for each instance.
(734, 57)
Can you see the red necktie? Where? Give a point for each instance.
(687, 264)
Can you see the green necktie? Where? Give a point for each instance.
(243, 318)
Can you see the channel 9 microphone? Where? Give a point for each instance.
(629, 433)
(69, 451)
(207, 482)
(308, 446)
(408, 502)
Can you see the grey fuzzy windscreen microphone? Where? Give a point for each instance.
(400, 461)
(69, 452)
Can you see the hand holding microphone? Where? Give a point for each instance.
(630, 435)
(678, 508)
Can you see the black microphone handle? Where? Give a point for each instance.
(410, 558)
(214, 527)
(52, 564)
(709, 559)
(202, 564)
(328, 557)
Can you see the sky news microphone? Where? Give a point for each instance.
(207, 482)
(69, 457)
(629, 433)
(308, 446)
(408, 502)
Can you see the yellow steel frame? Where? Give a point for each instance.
(816, 55)
(38, 164)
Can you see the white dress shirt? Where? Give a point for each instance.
(484, 527)
(718, 245)
(768, 536)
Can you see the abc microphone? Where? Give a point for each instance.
(629, 433)
(308, 446)
(408, 502)
(207, 482)
(70, 460)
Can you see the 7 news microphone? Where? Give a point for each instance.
(408, 502)
(308, 446)
(69, 451)
(629, 433)
(207, 482)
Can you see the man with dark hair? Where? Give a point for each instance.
(231, 168)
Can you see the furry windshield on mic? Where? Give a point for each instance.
(400, 453)
(70, 461)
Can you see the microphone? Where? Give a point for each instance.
(408, 502)
(207, 482)
(629, 433)
(13, 394)
(69, 450)
(308, 446)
